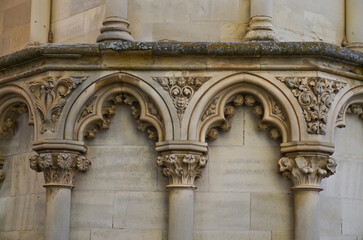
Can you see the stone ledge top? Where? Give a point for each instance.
(208, 49)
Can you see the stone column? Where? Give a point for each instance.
(261, 27)
(354, 20)
(59, 169)
(116, 25)
(40, 21)
(306, 170)
(182, 166)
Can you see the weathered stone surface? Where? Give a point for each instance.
(100, 234)
(232, 235)
(352, 217)
(214, 210)
(140, 210)
(14, 235)
(80, 234)
(271, 212)
(331, 216)
(92, 209)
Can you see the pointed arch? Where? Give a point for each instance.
(14, 98)
(223, 93)
(96, 104)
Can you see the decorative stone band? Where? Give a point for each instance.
(59, 168)
(307, 170)
(2, 173)
(182, 168)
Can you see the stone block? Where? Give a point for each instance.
(252, 169)
(80, 234)
(271, 212)
(354, 130)
(31, 235)
(185, 32)
(93, 18)
(233, 32)
(145, 11)
(287, 235)
(12, 211)
(5, 45)
(9, 235)
(145, 210)
(18, 15)
(92, 209)
(222, 210)
(215, 11)
(126, 234)
(19, 37)
(352, 217)
(339, 237)
(5, 185)
(119, 168)
(5, 4)
(61, 9)
(231, 235)
(22, 177)
(330, 215)
(141, 31)
(78, 6)
(68, 28)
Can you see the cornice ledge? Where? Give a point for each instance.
(240, 49)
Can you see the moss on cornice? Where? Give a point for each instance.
(212, 49)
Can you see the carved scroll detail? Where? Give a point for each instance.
(51, 94)
(315, 96)
(181, 90)
(182, 168)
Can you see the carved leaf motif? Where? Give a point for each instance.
(315, 96)
(51, 94)
(181, 90)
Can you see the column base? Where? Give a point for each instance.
(115, 29)
(357, 46)
(260, 29)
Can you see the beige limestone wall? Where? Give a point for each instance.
(14, 25)
(22, 197)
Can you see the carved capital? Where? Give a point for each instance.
(59, 168)
(182, 168)
(307, 170)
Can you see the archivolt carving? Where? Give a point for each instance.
(315, 96)
(51, 94)
(181, 90)
(238, 100)
(98, 111)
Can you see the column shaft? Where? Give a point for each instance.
(40, 21)
(181, 204)
(354, 20)
(306, 214)
(58, 209)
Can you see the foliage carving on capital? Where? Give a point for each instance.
(182, 168)
(59, 168)
(181, 90)
(50, 95)
(315, 96)
(307, 170)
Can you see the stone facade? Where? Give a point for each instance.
(182, 140)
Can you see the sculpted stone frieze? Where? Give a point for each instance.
(229, 111)
(2, 173)
(59, 168)
(307, 170)
(182, 168)
(315, 96)
(9, 123)
(51, 94)
(110, 111)
(181, 90)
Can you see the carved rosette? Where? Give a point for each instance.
(182, 169)
(181, 90)
(307, 171)
(315, 96)
(50, 95)
(229, 111)
(59, 168)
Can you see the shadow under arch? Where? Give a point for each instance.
(94, 96)
(352, 96)
(265, 90)
(14, 96)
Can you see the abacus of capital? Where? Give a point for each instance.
(70, 93)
